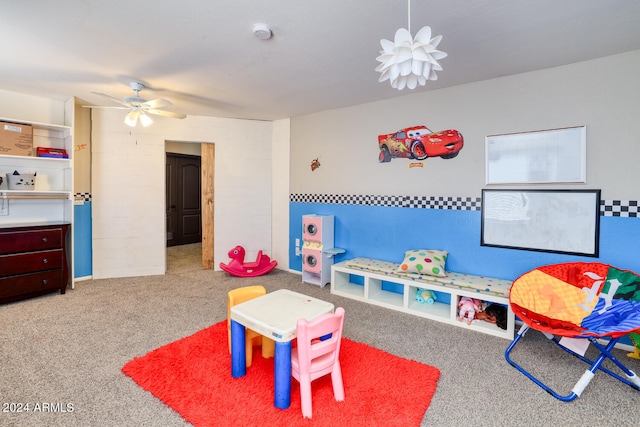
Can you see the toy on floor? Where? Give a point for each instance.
(494, 313)
(237, 266)
(425, 296)
(468, 308)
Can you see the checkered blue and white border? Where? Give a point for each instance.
(623, 208)
(85, 196)
(619, 208)
(424, 202)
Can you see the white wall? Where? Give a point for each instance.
(30, 108)
(603, 94)
(128, 167)
(82, 153)
(183, 148)
(280, 180)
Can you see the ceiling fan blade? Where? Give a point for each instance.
(105, 108)
(119, 101)
(166, 113)
(156, 103)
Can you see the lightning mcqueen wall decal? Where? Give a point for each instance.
(418, 142)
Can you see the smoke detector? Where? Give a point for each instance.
(262, 31)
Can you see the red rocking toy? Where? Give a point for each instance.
(237, 266)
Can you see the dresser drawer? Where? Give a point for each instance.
(30, 283)
(11, 265)
(27, 241)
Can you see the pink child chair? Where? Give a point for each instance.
(317, 355)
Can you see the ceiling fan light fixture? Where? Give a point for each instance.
(131, 119)
(145, 120)
(140, 109)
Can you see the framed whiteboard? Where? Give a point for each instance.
(561, 221)
(545, 156)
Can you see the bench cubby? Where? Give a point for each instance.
(376, 282)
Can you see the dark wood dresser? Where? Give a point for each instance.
(33, 260)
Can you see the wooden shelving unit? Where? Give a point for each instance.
(52, 198)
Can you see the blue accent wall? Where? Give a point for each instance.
(82, 240)
(385, 232)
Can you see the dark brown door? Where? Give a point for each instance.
(184, 219)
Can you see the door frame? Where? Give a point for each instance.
(208, 166)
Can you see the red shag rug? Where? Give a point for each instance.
(193, 377)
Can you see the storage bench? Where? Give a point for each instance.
(377, 282)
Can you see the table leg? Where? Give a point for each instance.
(282, 375)
(238, 350)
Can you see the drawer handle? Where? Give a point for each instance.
(45, 281)
(44, 261)
(44, 240)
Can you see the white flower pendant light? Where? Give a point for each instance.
(408, 62)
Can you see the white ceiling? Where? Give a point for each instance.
(202, 56)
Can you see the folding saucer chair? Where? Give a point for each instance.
(578, 300)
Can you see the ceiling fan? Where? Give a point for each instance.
(139, 108)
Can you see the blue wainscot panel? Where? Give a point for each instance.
(82, 255)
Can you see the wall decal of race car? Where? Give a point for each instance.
(418, 142)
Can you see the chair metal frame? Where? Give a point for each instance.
(605, 353)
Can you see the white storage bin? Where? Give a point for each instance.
(24, 181)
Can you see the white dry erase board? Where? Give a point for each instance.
(545, 156)
(561, 221)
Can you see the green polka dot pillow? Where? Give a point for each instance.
(424, 261)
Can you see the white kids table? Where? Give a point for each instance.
(273, 315)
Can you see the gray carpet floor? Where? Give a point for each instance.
(62, 355)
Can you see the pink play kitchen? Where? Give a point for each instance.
(318, 249)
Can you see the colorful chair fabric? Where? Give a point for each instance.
(578, 300)
(253, 339)
(317, 354)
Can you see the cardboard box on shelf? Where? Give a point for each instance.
(16, 139)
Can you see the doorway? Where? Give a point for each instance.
(183, 199)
